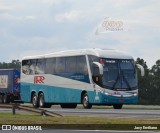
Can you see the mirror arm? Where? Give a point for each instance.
(100, 67)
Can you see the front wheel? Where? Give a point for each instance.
(85, 102)
(117, 106)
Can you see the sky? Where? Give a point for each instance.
(30, 27)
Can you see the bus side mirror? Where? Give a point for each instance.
(141, 69)
(98, 69)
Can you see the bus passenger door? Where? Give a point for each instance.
(97, 73)
(97, 79)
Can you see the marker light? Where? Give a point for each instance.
(135, 94)
(102, 61)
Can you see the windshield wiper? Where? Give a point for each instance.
(127, 82)
(114, 85)
(125, 78)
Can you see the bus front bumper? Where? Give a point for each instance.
(119, 99)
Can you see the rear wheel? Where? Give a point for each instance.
(35, 101)
(42, 103)
(74, 105)
(12, 98)
(117, 106)
(2, 98)
(85, 102)
(6, 98)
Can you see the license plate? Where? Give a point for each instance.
(121, 100)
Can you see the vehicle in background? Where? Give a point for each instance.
(9, 85)
(88, 77)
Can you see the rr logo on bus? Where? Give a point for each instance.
(39, 79)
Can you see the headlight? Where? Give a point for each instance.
(135, 94)
(106, 93)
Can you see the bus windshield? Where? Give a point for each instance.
(119, 74)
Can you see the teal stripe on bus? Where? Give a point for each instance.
(57, 95)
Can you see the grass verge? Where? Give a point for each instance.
(8, 118)
(76, 122)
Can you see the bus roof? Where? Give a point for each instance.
(104, 53)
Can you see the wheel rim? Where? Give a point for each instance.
(4, 98)
(34, 101)
(85, 101)
(41, 101)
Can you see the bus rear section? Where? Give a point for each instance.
(9, 85)
(55, 80)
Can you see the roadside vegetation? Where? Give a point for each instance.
(76, 122)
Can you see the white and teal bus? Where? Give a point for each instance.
(88, 77)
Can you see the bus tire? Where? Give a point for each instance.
(2, 100)
(6, 98)
(12, 99)
(35, 101)
(41, 100)
(85, 102)
(42, 103)
(72, 106)
(117, 106)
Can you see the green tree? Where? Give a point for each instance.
(144, 84)
(13, 64)
(155, 71)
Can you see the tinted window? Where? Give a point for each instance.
(50, 65)
(82, 65)
(40, 66)
(26, 66)
(32, 67)
(71, 66)
(60, 65)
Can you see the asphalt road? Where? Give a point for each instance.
(108, 113)
(111, 113)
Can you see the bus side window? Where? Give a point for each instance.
(40, 66)
(26, 67)
(32, 66)
(71, 64)
(60, 65)
(82, 65)
(50, 66)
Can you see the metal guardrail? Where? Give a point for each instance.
(40, 111)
